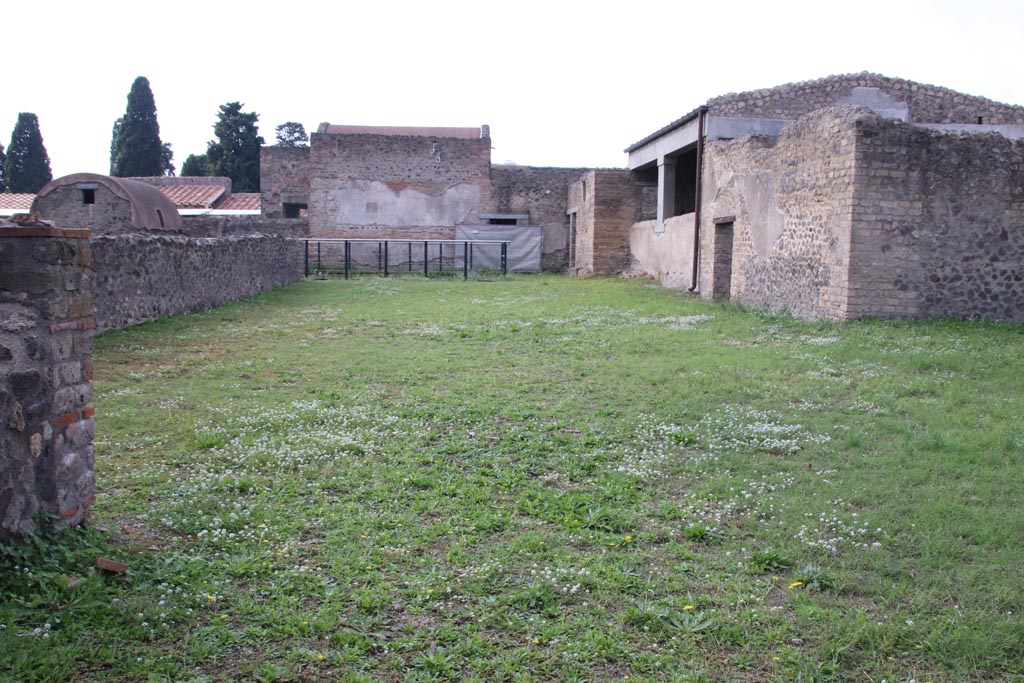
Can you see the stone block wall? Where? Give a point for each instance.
(396, 181)
(791, 200)
(141, 276)
(46, 328)
(284, 178)
(539, 193)
(926, 103)
(938, 224)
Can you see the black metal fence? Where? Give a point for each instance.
(347, 257)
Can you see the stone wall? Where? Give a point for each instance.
(539, 193)
(46, 328)
(938, 226)
(140, 276)
(284, 178)
(225, 226)
(927, 103)
(396, 181)
(791, 200)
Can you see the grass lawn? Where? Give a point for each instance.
(537, 479)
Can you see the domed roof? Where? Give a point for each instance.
(151, 209)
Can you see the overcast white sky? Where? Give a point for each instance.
(561, 83)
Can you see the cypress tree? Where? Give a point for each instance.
(3, 170)
(27, 164)
(236, 153)
(136, 149)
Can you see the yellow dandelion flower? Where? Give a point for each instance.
(688, 608)
(320, 657)
(210, 598)
(795, 584)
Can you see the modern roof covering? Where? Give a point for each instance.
(193, 196)
(243, 201)
(150, 208)
(464, 133)
(667, 129)
(11, 204)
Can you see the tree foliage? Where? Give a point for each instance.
(3, 170)
(27, 164)
(236, 151)
(114, 134)
(291, 134)
(195, 165)
(136, 149)
(167, 159)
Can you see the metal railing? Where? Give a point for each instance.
(335, 256)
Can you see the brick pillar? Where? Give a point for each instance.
(46, 330)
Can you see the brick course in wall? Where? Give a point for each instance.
(46, 329)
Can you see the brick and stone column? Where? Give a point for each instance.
(46, 330)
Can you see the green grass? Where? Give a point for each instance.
(537, 479)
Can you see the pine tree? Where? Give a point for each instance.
(236, 152)
(3, 170)
(195, 165)
(136, 149)
(291, 134)
(27, 164)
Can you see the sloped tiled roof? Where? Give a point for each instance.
(242, 201)
(16, 201)
(193, 196)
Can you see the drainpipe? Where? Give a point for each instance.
(696, 206)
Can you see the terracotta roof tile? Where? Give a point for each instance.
(16, 201)
(242, 201)
(193, 196)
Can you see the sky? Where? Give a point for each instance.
(560, 82)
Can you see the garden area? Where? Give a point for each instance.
(537, 478)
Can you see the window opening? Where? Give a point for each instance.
(88, 196)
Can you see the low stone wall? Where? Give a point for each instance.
(140, 277)
(46, 327)
(668, 255)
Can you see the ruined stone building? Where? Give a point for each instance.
(417, 183)
(845, 197)
(849, 196)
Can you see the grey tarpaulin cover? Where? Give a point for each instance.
(523, 252)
